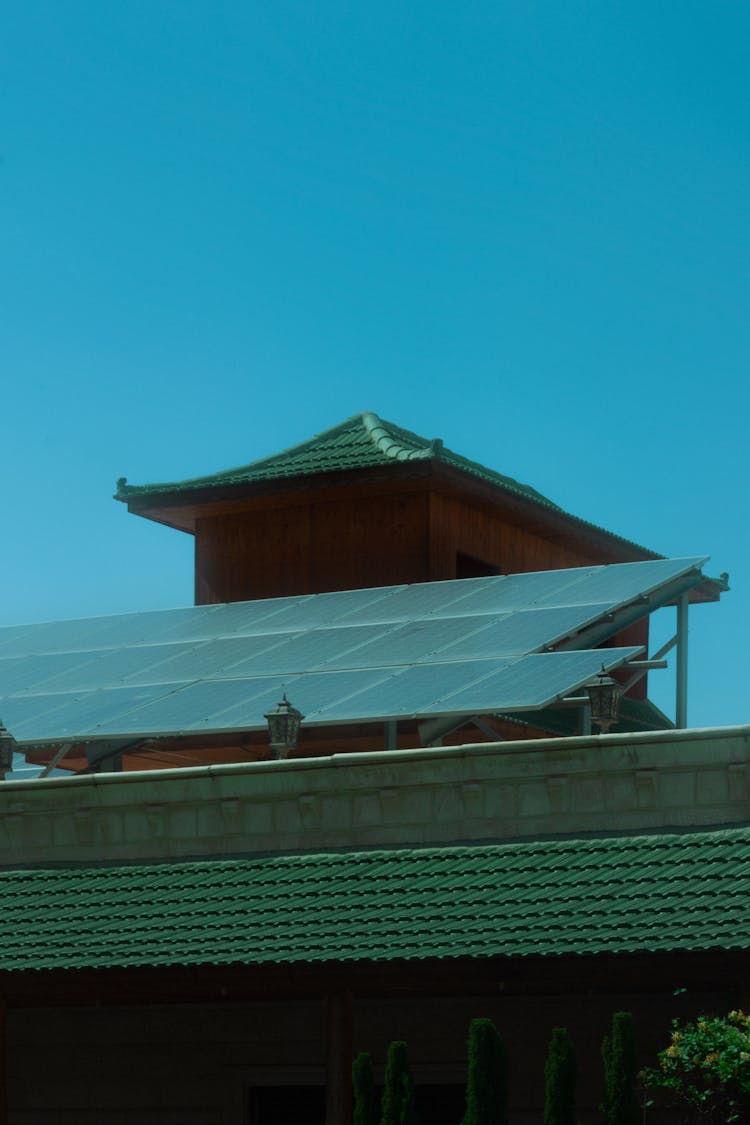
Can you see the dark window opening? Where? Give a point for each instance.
(467, 566)
(285, 1105)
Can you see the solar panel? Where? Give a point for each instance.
(410, 603)
(54, 718)
(34, 673)
(527, 630)
(532, 682)
(95, 633)
(441, 647)
(521, 591)
(616, 583)
(412, 642)
(467, 687)
(319, 610)
(404, 692)
(204, 706)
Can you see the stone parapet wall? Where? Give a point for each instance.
(497, 791)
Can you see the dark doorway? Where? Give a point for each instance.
(441, 1105)
(286, 1105)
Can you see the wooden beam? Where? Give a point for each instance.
(339, 1058)
(656, 973)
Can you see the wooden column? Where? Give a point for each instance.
(338, 1058)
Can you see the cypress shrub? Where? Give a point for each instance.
(620, 1105)
(560, 1080)
(363, 1089)
(487, 1086)
(398, 1105)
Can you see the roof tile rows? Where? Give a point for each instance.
(674, 892)
(360, 442)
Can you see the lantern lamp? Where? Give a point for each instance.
(604, 699)
(7, 746)
(283, 728)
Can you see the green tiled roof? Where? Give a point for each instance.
(361, 442)
(632, 894)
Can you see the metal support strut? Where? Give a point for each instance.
(682, 662)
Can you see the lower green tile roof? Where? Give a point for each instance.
(678, 892)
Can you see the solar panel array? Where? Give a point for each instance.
(438, 648)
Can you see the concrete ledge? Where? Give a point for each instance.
(600, 783)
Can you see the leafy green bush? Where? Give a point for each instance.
(398, 1106)
(560, 1080)
(363, 1089)
(620, 1105)
(706, 1068)
(486, 1089)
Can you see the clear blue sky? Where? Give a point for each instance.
(521, 227)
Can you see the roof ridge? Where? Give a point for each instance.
(384, 434)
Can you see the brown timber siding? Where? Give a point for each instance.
(351, 542)
(484, 533)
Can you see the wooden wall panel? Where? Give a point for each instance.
(457, 526)
(255, 555)
(347, 543)
(364, 536)
(376, 541)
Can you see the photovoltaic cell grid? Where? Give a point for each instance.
(436, 648)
